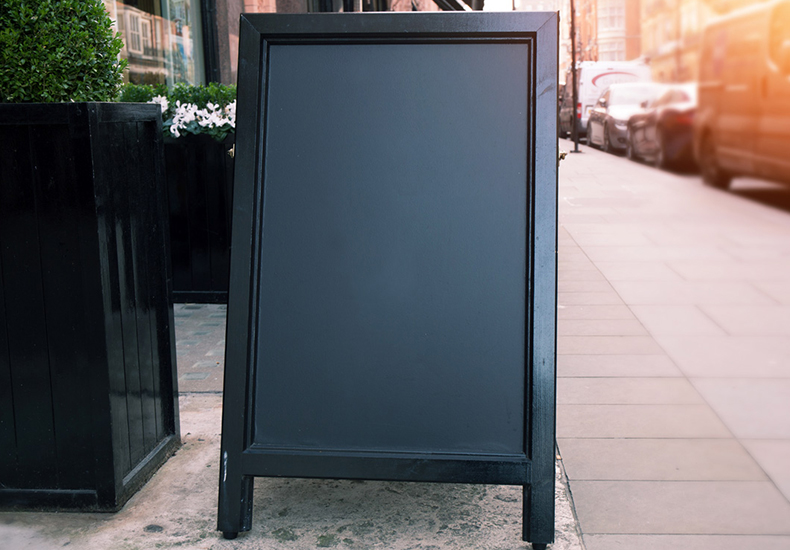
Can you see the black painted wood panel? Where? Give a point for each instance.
(165, 388)
(200, 180)
(25, 310)
(61, 267)
(8, 450)
(87, 361)
(177, 197)
(110, 252)
(142, 219)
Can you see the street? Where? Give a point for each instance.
(673, 357)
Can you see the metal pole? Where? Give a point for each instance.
(575, 91)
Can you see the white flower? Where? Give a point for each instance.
(230, 110)
(213, 116)
(161, 101)
(184, 114)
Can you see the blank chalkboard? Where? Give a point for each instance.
(393, 266)
(394, 216)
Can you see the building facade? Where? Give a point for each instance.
(564, 9)
(671, 34)
(606, 30)
(618, 30)
(178, 41)
(163, 40)
(671, 31)
(586, 30)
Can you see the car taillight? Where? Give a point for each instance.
(684, 118)
(578, 110)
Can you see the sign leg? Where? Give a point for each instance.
(235, 504)
(538, 515)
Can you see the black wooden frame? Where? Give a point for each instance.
(240, 460)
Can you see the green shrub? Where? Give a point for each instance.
(218, 94)
(58, 50)
(141, 93)
(201, 96)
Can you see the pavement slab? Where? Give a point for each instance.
(682, 440)
(677, 320)
(681, 507)
(626, 391)
(686, 542)
(773, 456)
(728, 356)
(616, 366)
(660, 460)
(600, 327)
(634, 421)
(773, 320)
(751, 408)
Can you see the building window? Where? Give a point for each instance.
(689, 21)
(611, 51)
(611, 15)
(163, 42)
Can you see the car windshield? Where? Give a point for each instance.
(632, 95)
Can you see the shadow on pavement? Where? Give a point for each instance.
(763, 192)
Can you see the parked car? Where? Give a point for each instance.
(592, 78)
(663, 133)
(608, 124)
(741, 127)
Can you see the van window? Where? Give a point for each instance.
(779, 39)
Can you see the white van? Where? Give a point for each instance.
(593, 77)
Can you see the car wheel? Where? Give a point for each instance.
(660, 160)
(607, 144)
(712, 173)
(594, 142)
(629, 147)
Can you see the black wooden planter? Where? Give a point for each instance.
(392, 308)
(88, 398)
(200, 193)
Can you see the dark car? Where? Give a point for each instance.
(608, 124)
(742, 126)
(664, 133)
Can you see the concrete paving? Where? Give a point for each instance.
(177, 507)
(674, 359)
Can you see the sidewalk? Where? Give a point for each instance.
(673, 400)
(674, 360)
(177, 507)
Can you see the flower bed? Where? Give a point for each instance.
(199, 129)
